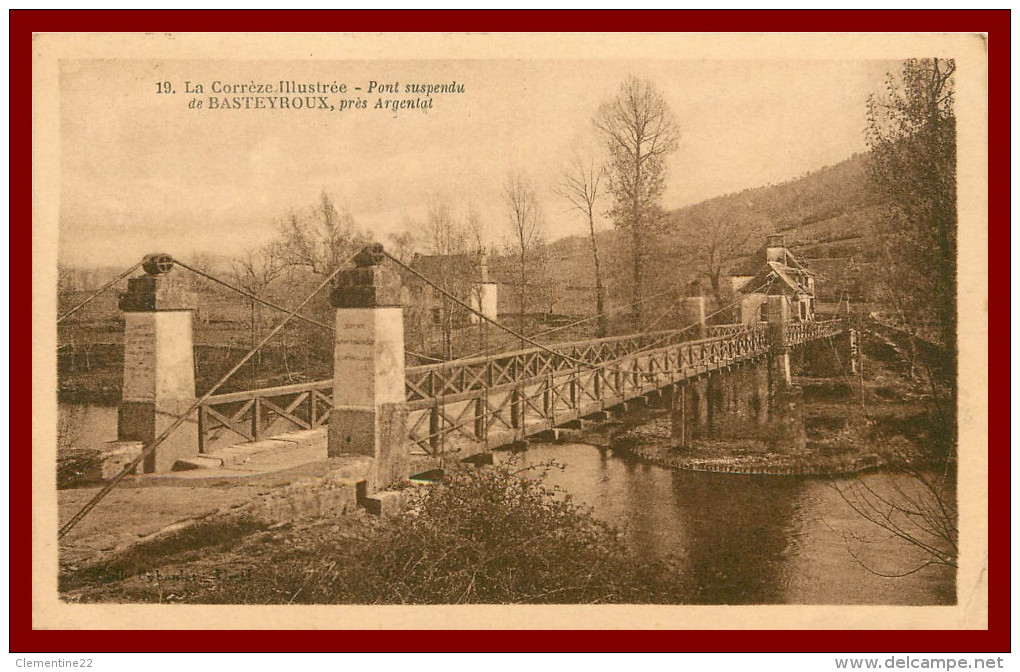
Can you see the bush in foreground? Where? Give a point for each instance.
(494, 536)
(488, 536)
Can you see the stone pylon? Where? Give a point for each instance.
(159, 363)
(369, 412)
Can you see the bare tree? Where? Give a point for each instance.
(475, 228)
(715, 237)
(253, 272)
(404, 245)
(579, 185)
(526, 231)
(447, 238)
(640, 132)
(444, 235)
(912, 136)
(916, 505)
(319, 240)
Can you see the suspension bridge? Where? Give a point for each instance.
(717, 380)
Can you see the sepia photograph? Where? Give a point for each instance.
(599, 321)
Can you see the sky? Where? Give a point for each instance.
(142, 172)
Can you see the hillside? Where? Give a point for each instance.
(827, 217)
(826, 213)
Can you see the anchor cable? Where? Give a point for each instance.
(102, 289)
(148, 450)
(249, 295)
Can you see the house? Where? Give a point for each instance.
(483, 293)
(773, 270)
(465, 276)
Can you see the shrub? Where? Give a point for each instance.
(492, 536)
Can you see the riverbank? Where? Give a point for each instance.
(845, 436)
(741, 458)
(496, 535)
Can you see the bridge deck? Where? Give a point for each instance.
(471, 404)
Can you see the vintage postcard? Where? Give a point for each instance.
(627, 331)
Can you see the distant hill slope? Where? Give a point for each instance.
(826, 213)
(827, 217)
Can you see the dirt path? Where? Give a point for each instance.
(143, 506)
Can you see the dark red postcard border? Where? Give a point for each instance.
(995, 23)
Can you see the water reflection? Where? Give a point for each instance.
(742, 539)
(737, 544)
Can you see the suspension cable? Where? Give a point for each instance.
(148, 450)
(655, 344)
(425, 357)
(615, 309)
(264, 302)
(664, 313)
(526, 339)
(488, 319)
(252, 296)
(463, 304)
(98, 292)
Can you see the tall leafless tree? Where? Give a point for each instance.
(580, 184)
(640, 132)
(320, 239)
(447, 238)
(475, 228)
(526, 232)
(253, 272)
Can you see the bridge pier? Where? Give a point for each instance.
(677, 403)
(779, 357)
(690, 410)
(369, 414)
(730, 403)
(740, 401)
(785, 431)
(830, 357)
(745, 399)
(759, 375)
(701, 415)
(159, 366)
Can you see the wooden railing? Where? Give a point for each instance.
(251, 413)
(472, 397)
(464, 375)
(724, 329)
(802, 332)
(505, 398)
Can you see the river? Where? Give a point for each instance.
(738, 539)
(748, 539)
